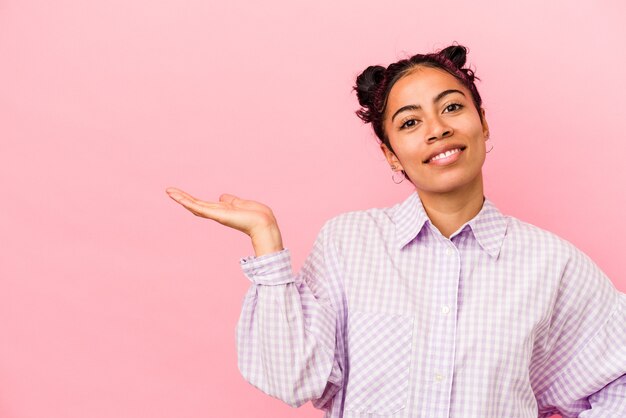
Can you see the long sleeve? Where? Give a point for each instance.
(582, 364)
(286, 334)
(608, 401)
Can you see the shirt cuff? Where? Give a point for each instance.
(268, 269)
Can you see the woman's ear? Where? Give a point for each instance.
(391, 157)
(485, 124)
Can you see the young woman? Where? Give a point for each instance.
(439, 306)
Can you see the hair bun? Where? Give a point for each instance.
(366, 83)
(457, 54)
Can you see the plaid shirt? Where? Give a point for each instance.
(389, 318)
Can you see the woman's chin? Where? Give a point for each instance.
(448, 185)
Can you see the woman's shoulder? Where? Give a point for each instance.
(371, 226)
(527, 234)
(361, 218)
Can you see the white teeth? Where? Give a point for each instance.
(445, 154)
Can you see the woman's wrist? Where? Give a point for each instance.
(267, 240)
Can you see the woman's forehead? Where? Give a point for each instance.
(423, 82)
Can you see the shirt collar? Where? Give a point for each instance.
(488, 226)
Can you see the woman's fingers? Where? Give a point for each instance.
(182, 197)
(173, 190)
(232, 211)
(227, 198)
(220, 211)
(178, 194)
(207, 210)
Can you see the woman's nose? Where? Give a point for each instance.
(437, 128)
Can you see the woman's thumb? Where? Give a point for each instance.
(228, 198)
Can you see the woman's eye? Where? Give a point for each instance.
(454, 106)
(408, 124)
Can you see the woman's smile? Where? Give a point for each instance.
(443, 151)
(446, 158)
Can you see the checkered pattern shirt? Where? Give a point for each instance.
(389, 318)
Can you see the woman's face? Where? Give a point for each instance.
(428, 111)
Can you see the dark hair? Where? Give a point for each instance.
(374, 84)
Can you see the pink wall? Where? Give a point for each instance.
(116, 302)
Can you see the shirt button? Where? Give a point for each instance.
(438, 377)
(445, 309)
(448, 251)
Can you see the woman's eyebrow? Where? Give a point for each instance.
(435, 100)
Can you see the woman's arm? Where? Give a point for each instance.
(583, 355)
(286, 334)
(610, 401)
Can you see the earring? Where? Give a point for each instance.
(488, 136)
(393, 176)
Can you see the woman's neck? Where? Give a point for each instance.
(448, 211)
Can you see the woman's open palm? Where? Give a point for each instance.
(246, 216)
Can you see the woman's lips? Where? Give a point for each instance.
(447, 160)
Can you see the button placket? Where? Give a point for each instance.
(445, 309)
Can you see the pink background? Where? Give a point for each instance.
(117, 302)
